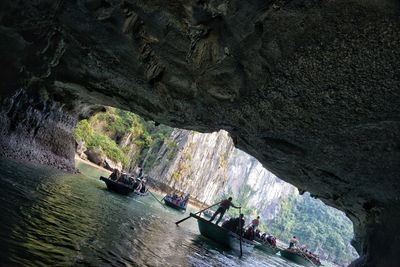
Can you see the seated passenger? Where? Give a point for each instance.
(257, 234)
(228, 224)
(249, 234)
(263, 236)
(115, 175)
(292, 243)
(139, 186)
(239, 224)
(186, 199)
(271, 240)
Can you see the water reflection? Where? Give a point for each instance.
(49, 218)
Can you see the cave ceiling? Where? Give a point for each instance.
(310, 88)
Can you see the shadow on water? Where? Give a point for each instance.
(56, 219)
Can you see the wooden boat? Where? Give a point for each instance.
(222, 236)
(117, 187)
(121, 188)
(171, 204)
(297, 257)
(234, 243)
(266, 247)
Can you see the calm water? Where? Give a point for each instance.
(49, 218)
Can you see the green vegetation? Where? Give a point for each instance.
(121, 135)
(321, 228)
(84, 132)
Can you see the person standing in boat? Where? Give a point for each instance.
(238, 224)
(255, 223)
(223, 207)
(140, 174)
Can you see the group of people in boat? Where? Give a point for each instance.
(137, 183)
(303, 251)
(180, 201)
(238, 224)
(252, 232)
(264, 237)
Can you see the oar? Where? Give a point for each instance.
(240, 227)
(157, 199)
(184, 219)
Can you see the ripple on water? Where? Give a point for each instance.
(52, 219)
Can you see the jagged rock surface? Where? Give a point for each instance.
(190, 161)
(310, 88)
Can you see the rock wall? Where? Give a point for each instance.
(194, 163)
(266, 189)
(36, 130)
(34, 127)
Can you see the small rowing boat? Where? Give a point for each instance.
(122, 188)
(298, 257)
(223, 236)
(170, 203)
(117, 187)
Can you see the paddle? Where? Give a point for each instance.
(184, 219)
(157, 199)
(240, 227)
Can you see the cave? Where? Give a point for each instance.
(310, 88)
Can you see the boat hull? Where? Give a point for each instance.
(265, 247)
(117, 187)
(234, 243)
(222, 236)
(292, 256)
(213, 231)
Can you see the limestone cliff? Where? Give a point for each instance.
(208, 166)
(266, 190)
(194, 163)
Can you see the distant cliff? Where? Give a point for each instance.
(194, 163)
(208, 166)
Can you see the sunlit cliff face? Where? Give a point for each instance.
(310, 88)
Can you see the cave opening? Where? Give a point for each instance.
(209, 168)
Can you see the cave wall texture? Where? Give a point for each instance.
(311, 88)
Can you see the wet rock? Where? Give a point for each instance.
(110, 165)
(96, 156)
(80, 149)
